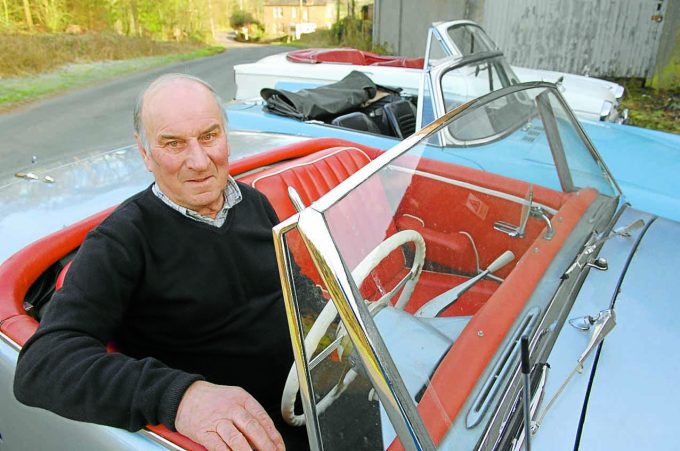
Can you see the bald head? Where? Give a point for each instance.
(165, 86)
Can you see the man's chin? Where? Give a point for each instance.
(206, 201)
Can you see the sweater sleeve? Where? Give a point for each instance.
(65, 366)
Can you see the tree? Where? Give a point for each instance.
(28, 15)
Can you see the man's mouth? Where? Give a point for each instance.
(200, 179)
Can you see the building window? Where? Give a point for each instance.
(305, 15)
(293, 13)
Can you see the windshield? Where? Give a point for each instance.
(439, 247)
(469, 39)
(528, 135)
(471, 78)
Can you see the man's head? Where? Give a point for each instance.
(180, 129)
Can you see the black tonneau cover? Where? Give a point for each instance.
(324, 102)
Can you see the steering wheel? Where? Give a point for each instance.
(329, 312)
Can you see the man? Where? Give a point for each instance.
(182, 278)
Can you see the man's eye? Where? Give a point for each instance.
(209, 137)
(173, 145)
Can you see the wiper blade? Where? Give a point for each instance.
(603, 323)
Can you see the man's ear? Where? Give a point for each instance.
(142, 152)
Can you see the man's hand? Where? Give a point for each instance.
(222, 417)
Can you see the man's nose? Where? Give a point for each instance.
(197, 158)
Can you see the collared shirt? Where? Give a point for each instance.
(232, 196)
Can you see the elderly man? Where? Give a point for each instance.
(182, 279)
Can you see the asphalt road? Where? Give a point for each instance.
(99, 118)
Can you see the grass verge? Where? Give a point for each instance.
(651, 108)
(17, 90)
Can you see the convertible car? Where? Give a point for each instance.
(459, 308)
(644, 162)
(590, 98)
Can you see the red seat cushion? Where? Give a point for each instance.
(311, 176)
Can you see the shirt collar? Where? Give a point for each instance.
(232, 196)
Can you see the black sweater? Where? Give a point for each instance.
(181, 300)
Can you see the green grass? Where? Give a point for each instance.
(651, 108)
(28, 54)
(17, 90)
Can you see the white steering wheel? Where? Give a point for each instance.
(328, 313)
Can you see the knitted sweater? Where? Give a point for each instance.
(181, 301)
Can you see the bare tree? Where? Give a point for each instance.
(27, 13)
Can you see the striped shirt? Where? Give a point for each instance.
(232, 196)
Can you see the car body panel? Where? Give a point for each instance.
(632, 412)
(561, 422)
(644, 162)
(39, 427)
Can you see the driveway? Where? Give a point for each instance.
(99, 118)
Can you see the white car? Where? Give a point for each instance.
(589, 98)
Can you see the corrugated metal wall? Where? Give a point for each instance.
(602, 37)
(403, 24)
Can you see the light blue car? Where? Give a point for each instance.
(484, 285)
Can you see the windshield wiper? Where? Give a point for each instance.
(603, 323)
(586, 257)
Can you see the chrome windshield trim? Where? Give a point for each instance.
(363, 333)
(589, 144)
(442, 29)
(295, 331)
(554, 141)
(450, 64)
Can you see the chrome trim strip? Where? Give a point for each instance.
(501, 369)
(472, 187)
(552, 134)
(10, 342)
(586, 139)
(363, 333)
(554, 314)
(295, 331)
(160, 440)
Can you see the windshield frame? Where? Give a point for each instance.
(444, 136)
(442, 30)
(362, 331)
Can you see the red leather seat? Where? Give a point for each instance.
(311, 176)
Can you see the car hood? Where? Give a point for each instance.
(629, 151)
(624, 398)
(633, 401)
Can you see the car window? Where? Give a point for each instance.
(470, 39)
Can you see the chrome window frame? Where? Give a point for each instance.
(445, 136)
(361, 329)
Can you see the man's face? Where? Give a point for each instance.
(189, 153)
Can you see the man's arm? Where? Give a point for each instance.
(65, 368)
